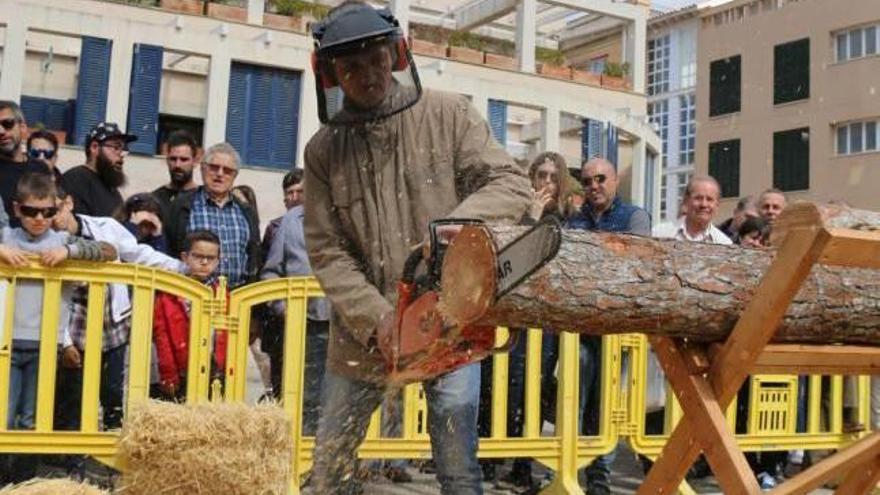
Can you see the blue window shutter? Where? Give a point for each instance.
(285, 97)
(143, 102)
(91, 92)
(498, 120)
(259, 136)
(34, 110)
(262, 120)
(611, 144)
(46, 112)
(237, 107)
(591, 139)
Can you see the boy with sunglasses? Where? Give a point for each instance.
(35, 207)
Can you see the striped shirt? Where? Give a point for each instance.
(230, 224)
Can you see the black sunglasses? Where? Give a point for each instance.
(33, 211)
(599, 178)
(35, 153)
(9, 123)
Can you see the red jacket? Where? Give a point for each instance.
(171, 336)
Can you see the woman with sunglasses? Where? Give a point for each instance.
(43, 145)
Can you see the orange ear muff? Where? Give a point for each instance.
(402, 61)
(320, 74)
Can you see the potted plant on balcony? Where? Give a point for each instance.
(466, 47)
(293, 15)
(228, 10)
(194, 7)
(614, 75)
(552, 63)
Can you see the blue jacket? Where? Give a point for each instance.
(620, 217)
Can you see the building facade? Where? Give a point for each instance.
(787, 98)
(74, 63)
(671, 88)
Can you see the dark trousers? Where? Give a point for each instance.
(317, 338)
(68, 396)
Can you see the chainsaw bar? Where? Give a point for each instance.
(527, 254)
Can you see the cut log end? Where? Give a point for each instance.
(469, 276)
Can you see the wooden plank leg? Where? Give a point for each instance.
(672, 465)
(731, 366)
(861, 479)
(705, 417)
(856, 454)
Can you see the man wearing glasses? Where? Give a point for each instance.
(95, 185)
(213, 207)
(13, 162)
(602, 211)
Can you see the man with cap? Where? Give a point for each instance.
(389, 159)
(95, 185)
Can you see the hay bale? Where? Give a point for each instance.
(39, 486)
(205, 449)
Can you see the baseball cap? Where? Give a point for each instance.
(106, 130)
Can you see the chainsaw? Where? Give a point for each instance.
(424, 342)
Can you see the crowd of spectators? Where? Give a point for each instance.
(211, 229)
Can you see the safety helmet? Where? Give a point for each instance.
(347, 30)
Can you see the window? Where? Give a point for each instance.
(687, 128)
(663, 204)
(498, 120)
(791, 71)
(856, 43)
(658, 116)
(857, 137)
(724, 86)
(262, 117)
(724, 166)
(597, 65)
(791, 159)
(658, 65)
(689, 71)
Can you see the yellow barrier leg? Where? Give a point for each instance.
(565, 481)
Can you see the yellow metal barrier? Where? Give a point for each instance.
(772, 420)
(772, 409)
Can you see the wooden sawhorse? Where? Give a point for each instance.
(706, 379)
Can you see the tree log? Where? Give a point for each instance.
(603, 283)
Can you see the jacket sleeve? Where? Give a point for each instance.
(493, 187)
(253, 246)
(131, 251)
(274, 266)
(358, 302)
(175, 227)
(86, 249)
(168, 372)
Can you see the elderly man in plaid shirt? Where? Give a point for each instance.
(213, 207)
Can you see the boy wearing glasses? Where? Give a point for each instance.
(171, 315)
(35, 206)
(95, 185)
(13, 161)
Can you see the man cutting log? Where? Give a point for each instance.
(389, 159)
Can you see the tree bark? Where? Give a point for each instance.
(604, 283)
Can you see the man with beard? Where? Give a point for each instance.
(95, 185)
(183, 154)
(13, 161)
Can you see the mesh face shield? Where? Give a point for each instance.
(363, 67)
